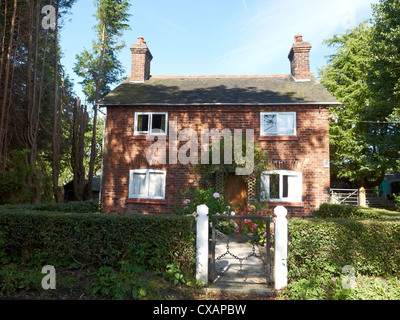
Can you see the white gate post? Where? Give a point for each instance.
(281, 244)
(202, 244)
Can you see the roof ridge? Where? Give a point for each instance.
(219, 76)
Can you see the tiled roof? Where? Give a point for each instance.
(198, 90)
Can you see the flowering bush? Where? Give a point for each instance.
(213, 200)
(257, 227)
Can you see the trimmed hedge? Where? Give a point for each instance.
(67, 207)
(323, 247)
(330, 210)
(59, 239)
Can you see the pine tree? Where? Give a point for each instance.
(99, 67)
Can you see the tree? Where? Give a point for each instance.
(78, 125)
(31, 86)
(100, 67)
(3, 110)
(345, 77)
(384, 81)
(364, 74)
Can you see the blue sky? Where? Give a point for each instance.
(211, 37)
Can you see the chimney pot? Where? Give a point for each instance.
(298, 38)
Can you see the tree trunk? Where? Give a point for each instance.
(58, 195)
(3, 157)
(78, 149)
(93, 152)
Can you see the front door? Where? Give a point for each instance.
(235, 192)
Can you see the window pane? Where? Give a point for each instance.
(143, 123)
(274, 186)
(264, 187)
(158, 123)
(139, 184)
(286, 124)
(156, 187)
(285, 186)
(270, 124)
(294, 187)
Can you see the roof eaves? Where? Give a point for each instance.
(333, 103)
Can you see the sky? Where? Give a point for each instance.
(218, 37)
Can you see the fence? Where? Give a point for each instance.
(345, 196)
(360, 197)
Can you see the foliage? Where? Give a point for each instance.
(352, 157)
(13, 279)
(59, 239)
(100, 67)
(255, 227)
(323, 247)
(13, 186)
(174, 274)
(330, 288)
(364, 75)
(67, 207)
(239, 149)
(194, 198)
(397, 202)
(330, 210)
(108, 283)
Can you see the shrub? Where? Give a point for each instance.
(59, 239)
(214, 201)
(330, 210)
(323, 247)
(13, 186)
(89, 206)
(255, 227)
(397, 202)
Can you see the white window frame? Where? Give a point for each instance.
(266, 134)
(147, 184)
(264, 194)
(150, 114)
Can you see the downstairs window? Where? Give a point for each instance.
(281, 185)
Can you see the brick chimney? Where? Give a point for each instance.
(299, 59)
(141, 58)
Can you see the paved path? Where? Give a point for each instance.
(248, 276)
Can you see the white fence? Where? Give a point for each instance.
(345, 196)
(360, 197)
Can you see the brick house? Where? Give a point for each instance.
(288, 113)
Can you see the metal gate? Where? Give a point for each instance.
(266, 258)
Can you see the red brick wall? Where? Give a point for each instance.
(125, 151)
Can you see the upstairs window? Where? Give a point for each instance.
(278, 124)
(151, 123)
(281, 185)
(147, 184)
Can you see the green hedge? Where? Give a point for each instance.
(67, 207)
(48, 238)
(329, 210)
(320, 247)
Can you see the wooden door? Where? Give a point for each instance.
(235, 192)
